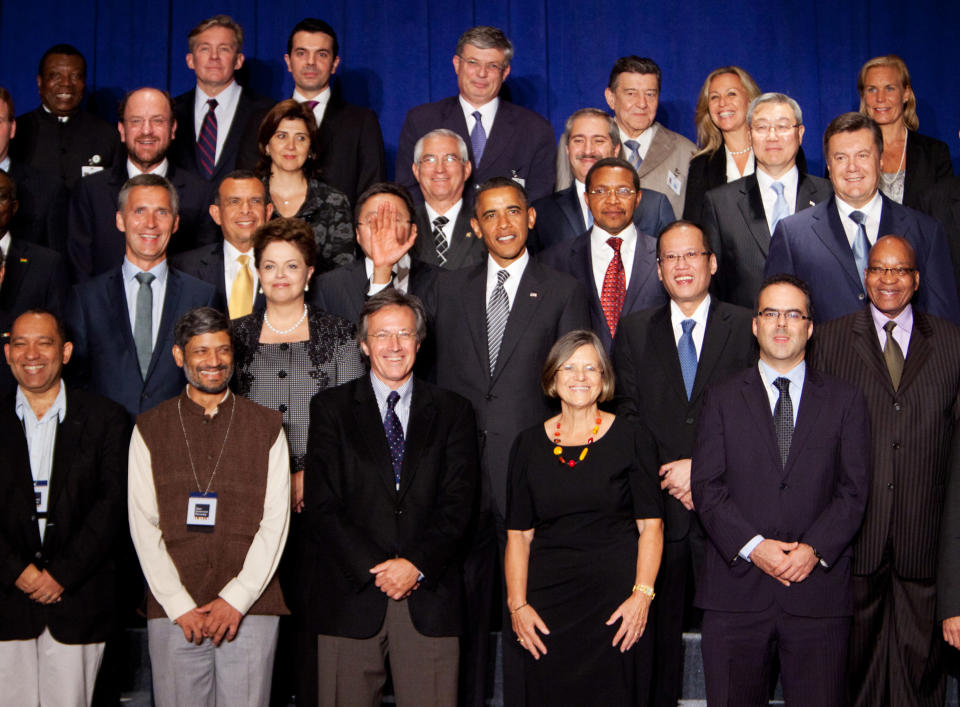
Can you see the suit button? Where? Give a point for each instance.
(282, 374)
(783, 487)
(398, 512)
(33, 517)
(861, 296)
(38, 555)
(898, 406)
(895, 445)
(890, 486)
(488, 397)
(282, 408)
(690, 420)
(284, 347)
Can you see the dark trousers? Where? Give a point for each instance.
(740, 650)
(895, 641)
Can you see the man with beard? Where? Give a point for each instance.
(214, 603)
(147, 127)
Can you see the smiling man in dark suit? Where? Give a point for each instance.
(121, 322)
(65, 458)
(780, 479)
(218, 118)
(505, 140)
(616, 263)
(147, 126)
(494, 325)
(740, 216)
(590, 135)
(391, 489)
(907, 363)
(664, 358)
(827, 245)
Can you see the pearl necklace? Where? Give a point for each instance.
(281, 332)
(740, 152)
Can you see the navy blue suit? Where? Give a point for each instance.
(559, 217)
(813, 246)
(105, 356)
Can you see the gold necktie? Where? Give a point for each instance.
(241, 293)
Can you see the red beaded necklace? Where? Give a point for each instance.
(558, 450)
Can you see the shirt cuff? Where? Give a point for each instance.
(747, 549)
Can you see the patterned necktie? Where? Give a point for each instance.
(861, 246)
(688, 355)
(207, 142)
(440, 240)
(783, 418)
(478, 137)
(781, 209)
(498, 310)
(394, 430)
(634, 158)
(143, 322)
(241, 292)
(614, 287)
(893, 355)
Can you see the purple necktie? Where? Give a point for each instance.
(207, 142)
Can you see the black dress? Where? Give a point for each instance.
(583, 561)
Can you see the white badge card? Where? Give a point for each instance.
(675, 181)
(41, 494)
(202, 511)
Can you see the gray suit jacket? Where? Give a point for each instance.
(669, 153)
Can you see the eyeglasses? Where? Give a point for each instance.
(898, 272)
(619, 192)
(675, 258)
(779, 128)
(447, 159)
(475, 65)
(773, 315)
(384, 335)
(587, 370)
(156, 122)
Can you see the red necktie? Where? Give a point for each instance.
(614, 287)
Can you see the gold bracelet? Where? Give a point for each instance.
(512, 612)
(644, 589)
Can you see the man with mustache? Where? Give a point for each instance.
(590, 135)
(147, 127)
(214, 603)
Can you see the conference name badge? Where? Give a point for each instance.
(41, 494)
(675, 181)
(202, 511)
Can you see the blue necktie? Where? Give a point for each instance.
(781, 209)
(478, 138)
(634, 158)
(861, 246)
(394, 430)
(688, 355)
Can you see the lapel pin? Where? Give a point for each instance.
(24, 260)
(533, 294)
(468, 234)
(813, 203)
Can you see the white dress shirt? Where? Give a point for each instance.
(160, 170)
(512, 283)
(227, 101)
(790, 181)
(322, 99)
(643, 140)
(601, 254)
(581, 190)
(872, 224)
(488, 113)
(733, 172)
(452, 214)
(699, 316)
(131, 287)
(231, 268)
(5, 244)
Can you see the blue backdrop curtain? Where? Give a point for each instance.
(398, 54)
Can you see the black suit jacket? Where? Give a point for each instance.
(356, 517)
(559, 217)
(41, 216)
(60, 150)
(466, 247)
(913, 431)
(85, 519)
(943, 203)
(926, 163)
(644, 290)
(742, 489)
(104, 353)
(650, 382)
(813, 246)
(548, 304)
(241, 138)
(520, 144)
(734, 219)
(95, 244)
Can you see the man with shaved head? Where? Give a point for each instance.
(907, 363)
(147, 127)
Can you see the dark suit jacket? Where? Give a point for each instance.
(548, 304)
(741, 489)
(912, 428)
(644, 290)
(927, 162)
(650, 382)
(41, 216)
(466, 247)
(95, 244)
(559, 217)
(206, 263)
(813, 246)
(59, 150)
(520, 144)
(736, 223)
(105, 356)
(708, 171)
(943, 203)
(241, 138)
(356, 518)
(85, 518)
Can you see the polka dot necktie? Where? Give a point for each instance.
(614, 287)
(394, 430)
